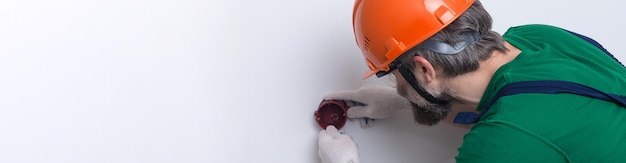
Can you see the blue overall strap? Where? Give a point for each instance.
(542, 86)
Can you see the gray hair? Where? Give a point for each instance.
(476, 18)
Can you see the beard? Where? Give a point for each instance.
(429, 114)
(424, 112)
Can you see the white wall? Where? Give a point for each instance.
(211, 81)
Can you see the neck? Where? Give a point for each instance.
(469, 88)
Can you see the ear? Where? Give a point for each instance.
(424, 68)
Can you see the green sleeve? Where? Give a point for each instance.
(504, 142)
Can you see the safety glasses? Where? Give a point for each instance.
(387, 76)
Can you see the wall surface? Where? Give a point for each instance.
(129, 81)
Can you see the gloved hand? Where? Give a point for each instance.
(380, 102)
(335, 147)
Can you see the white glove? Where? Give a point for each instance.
(380, 102)
(335, 147)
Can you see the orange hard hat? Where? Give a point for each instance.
(385, 29)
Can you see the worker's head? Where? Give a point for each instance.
(422, 42)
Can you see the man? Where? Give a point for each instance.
(450, 66)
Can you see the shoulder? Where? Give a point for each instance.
(535, 28)
(537, 32)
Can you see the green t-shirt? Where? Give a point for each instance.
(551, 127)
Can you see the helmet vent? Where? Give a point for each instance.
(366, 43)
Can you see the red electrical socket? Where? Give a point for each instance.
(332, 112)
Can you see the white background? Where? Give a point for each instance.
(129, 81)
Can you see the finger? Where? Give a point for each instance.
(332, 131)
(363, 123)
(343, 95)
(358, 112)
(366, 122)
(323, 137)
